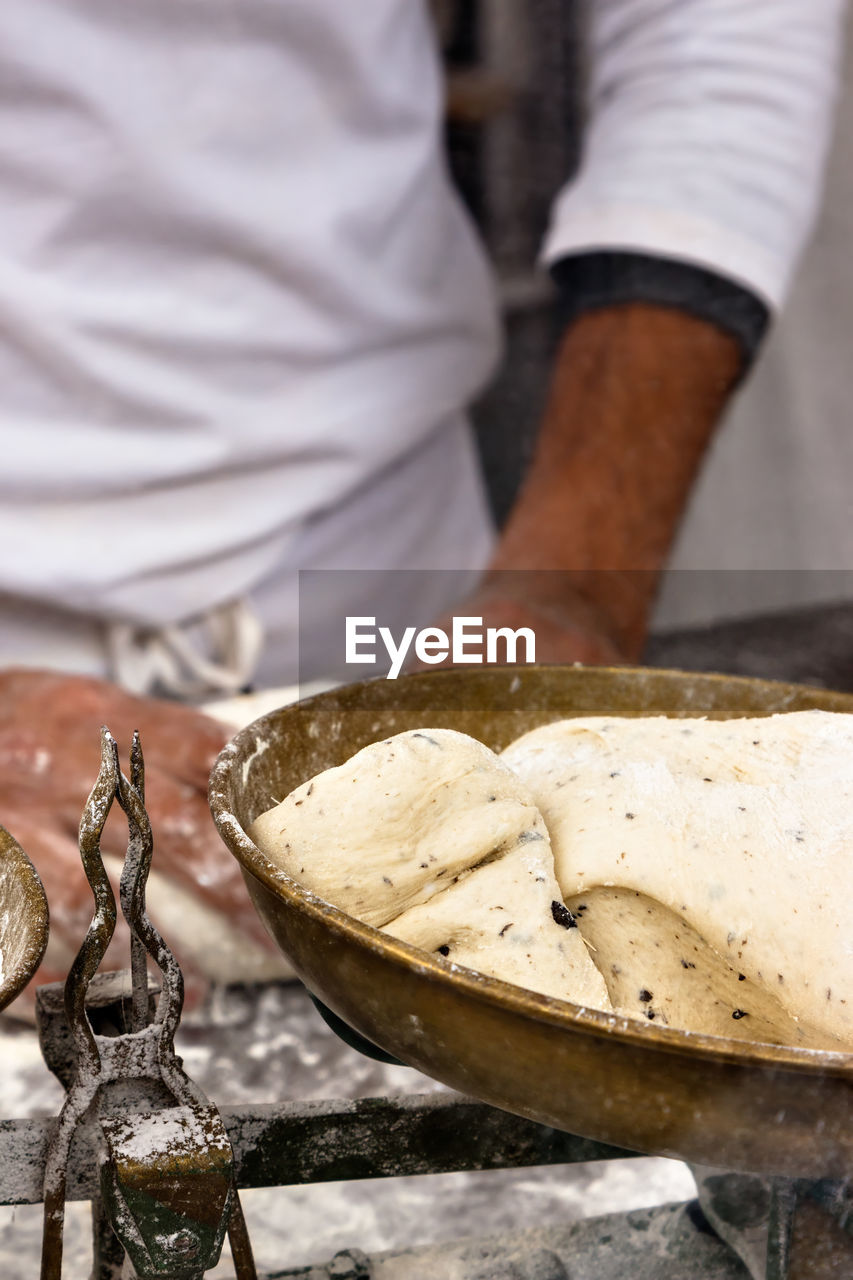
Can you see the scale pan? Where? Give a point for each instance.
(730, 1103)
(23, 919)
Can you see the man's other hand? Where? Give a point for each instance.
(49, 759)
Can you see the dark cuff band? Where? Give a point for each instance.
(590, 281)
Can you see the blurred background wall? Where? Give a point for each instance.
(776, 494)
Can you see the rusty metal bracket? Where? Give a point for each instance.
(168, 1189)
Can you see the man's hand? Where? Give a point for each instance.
(567, 627)
(49, 758)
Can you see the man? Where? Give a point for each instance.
(243, 313)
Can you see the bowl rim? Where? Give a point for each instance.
(16, 863)
(559, 1014)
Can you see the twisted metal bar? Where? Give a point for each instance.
(102, 927)
(131, 890)
(147, 1051)
(137, 867)
(131, 795)
(86, 963)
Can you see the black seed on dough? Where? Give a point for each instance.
(650, 1014)
(645, 995)
(504, 929)
(630, 815)
(427, 738)
(387, 880)
(310, 789)
(739, 1013)
(687, 964)
(443, 950)
(563, 916)
(491, 856)
(741, 977)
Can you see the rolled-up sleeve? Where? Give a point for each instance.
(707, 132)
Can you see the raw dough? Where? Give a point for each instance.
(657, 967)
(430, 836)
(508, 919)
(743, 829)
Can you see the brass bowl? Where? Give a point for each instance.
(23, 919)
(734, 1104)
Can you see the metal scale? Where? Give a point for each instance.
(163, 1168)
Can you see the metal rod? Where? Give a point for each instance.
(294, 1143)
(132, 897)
(784, 1194)
(100, 931)
(86, 963)
(241, 1245)
(171, 1000)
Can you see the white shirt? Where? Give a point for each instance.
(708, 131)
(237, 287)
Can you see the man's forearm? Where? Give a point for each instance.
(636, 394)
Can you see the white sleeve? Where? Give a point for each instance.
(709, 123)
